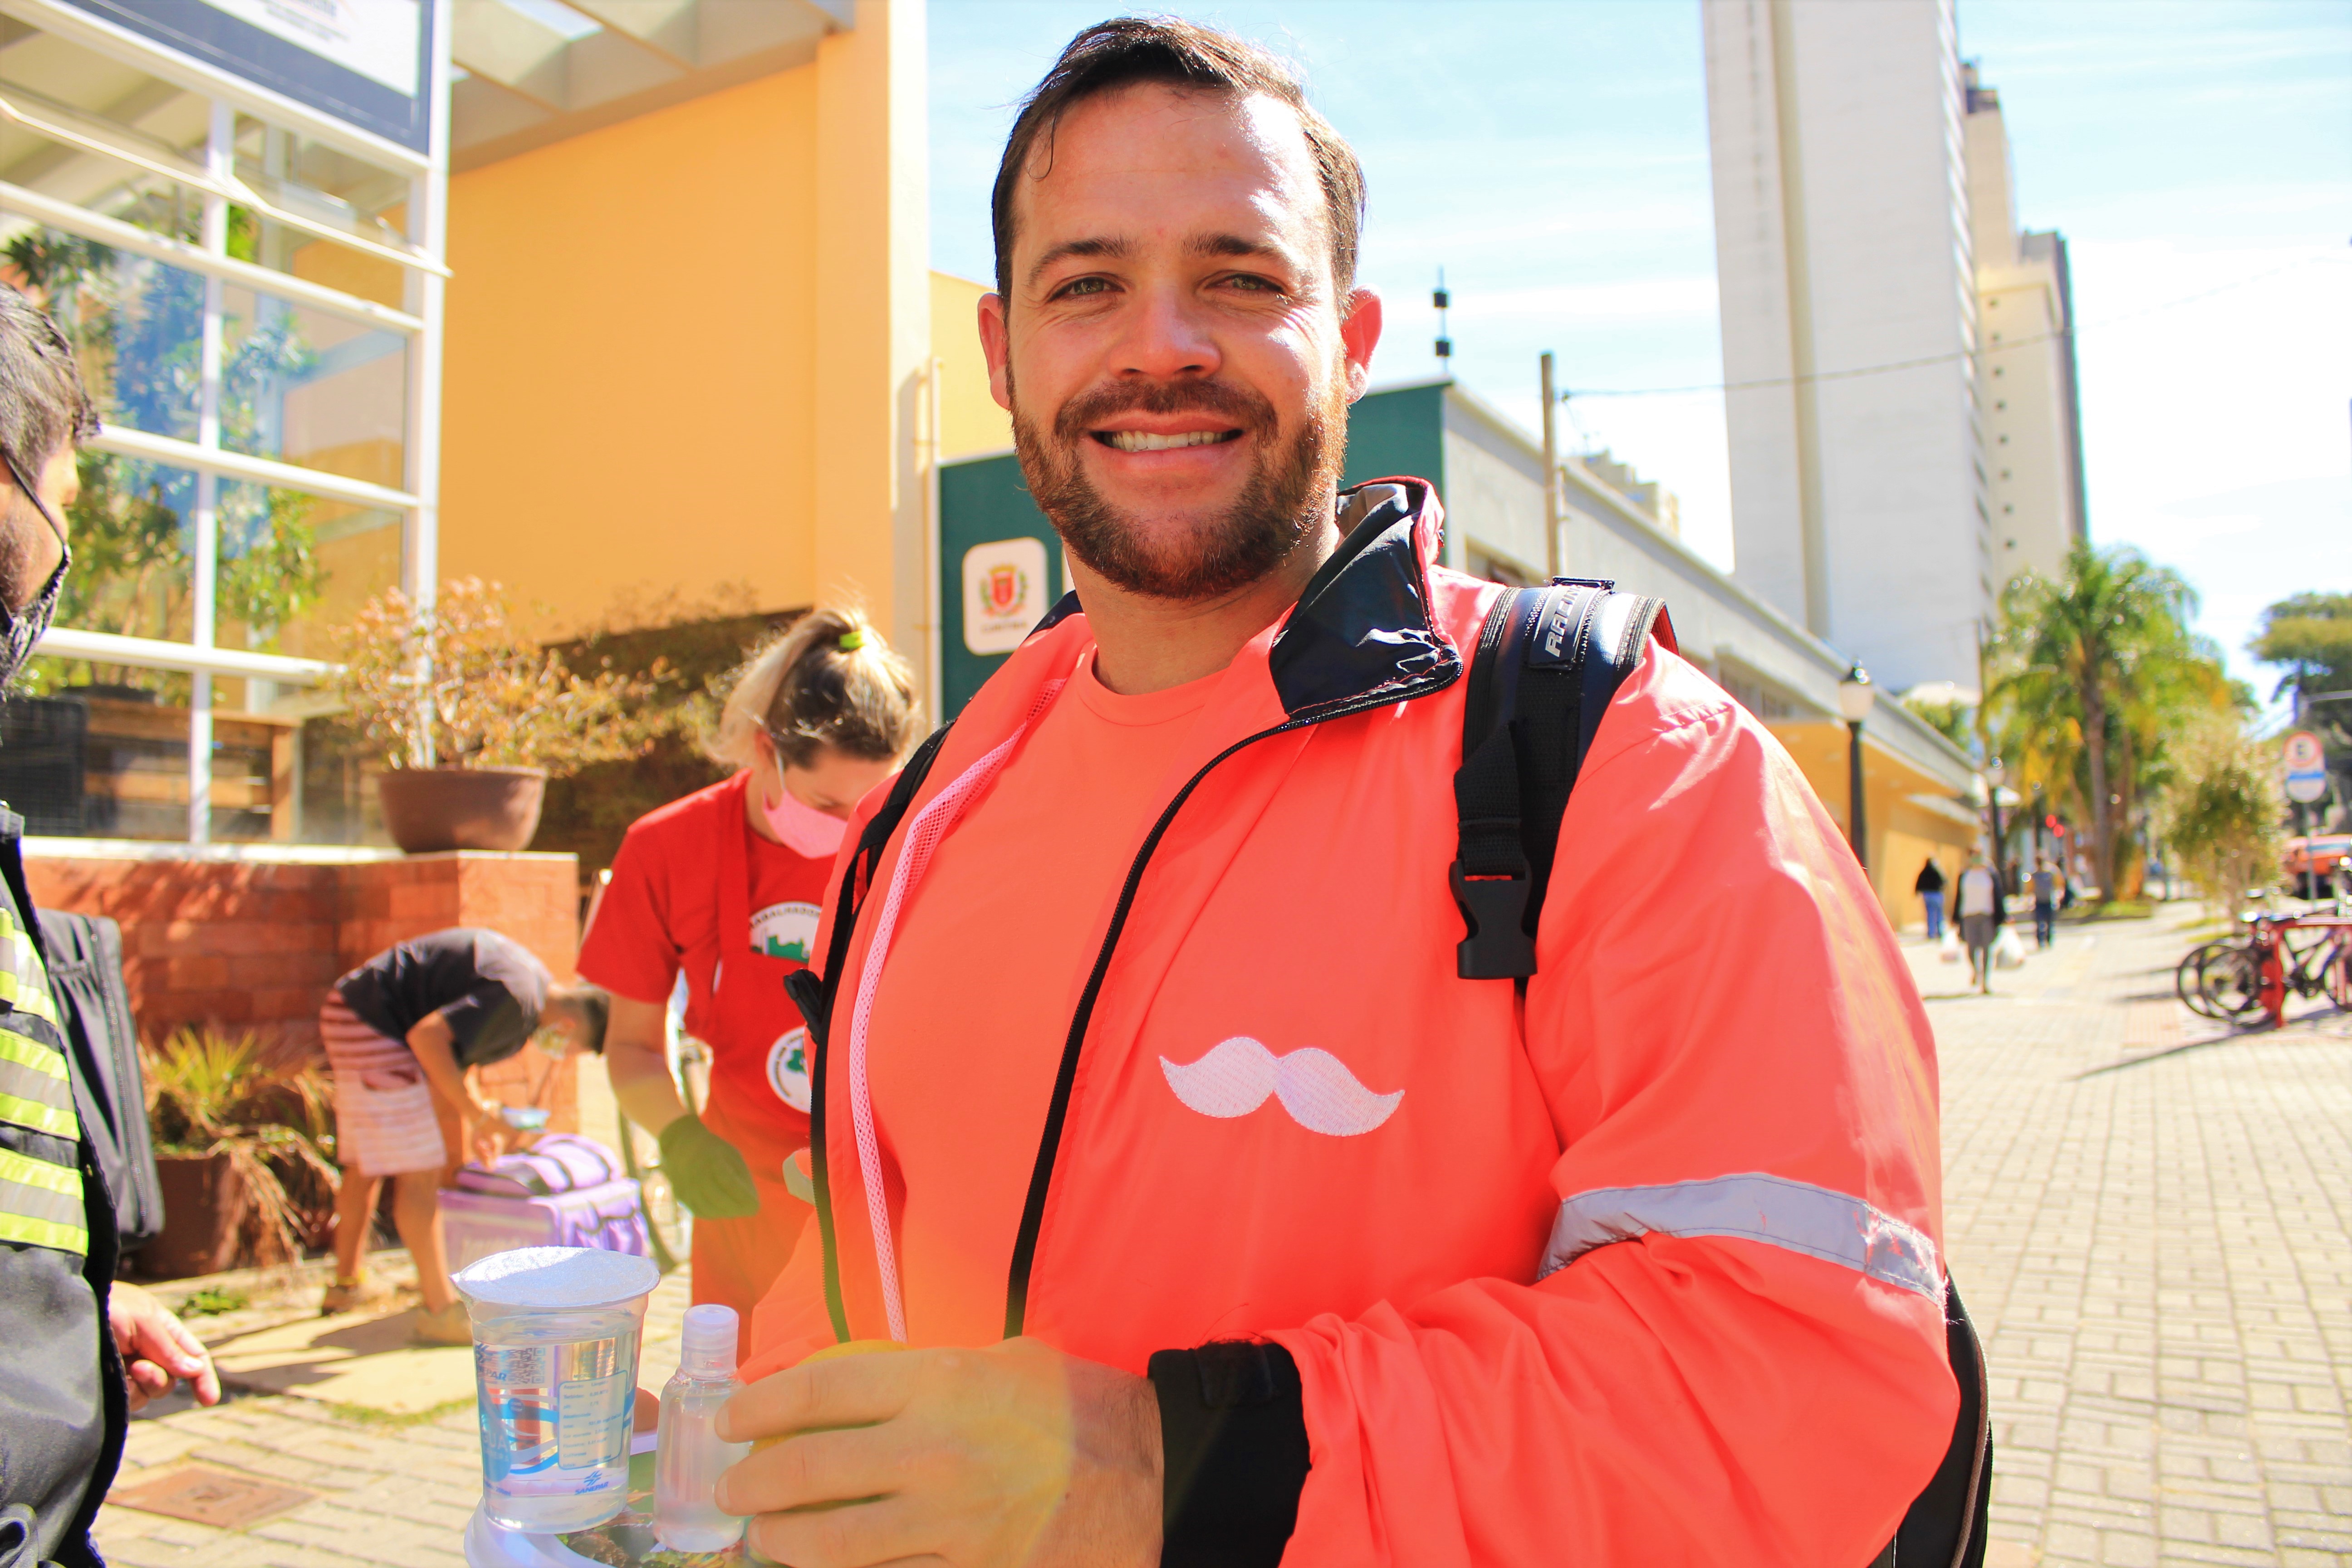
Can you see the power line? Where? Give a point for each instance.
(1942, 358)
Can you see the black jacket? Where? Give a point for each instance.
(63, 1408)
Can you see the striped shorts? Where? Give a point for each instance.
(384, 1120)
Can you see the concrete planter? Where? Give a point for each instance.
(427, 810)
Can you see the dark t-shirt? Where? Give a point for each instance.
(487, 987)
(1931, 880)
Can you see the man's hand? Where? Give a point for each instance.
(157, 1349)
(486, 1133)
(1011, 1457)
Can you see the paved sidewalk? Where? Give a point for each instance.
(2152, 1226)
(390, 1491)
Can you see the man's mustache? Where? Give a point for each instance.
(1082, 414)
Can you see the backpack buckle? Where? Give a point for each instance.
(1495, 910)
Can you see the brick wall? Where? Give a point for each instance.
(250, 938)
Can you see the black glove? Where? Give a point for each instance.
(706, 1173)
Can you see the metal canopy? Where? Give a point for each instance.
(539, 70)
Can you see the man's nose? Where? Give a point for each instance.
(1168, 338)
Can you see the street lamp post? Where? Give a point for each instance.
(1995, 771)
(1856, 694)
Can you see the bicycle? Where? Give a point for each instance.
(2228, 979)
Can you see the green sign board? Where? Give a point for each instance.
(1000, 572)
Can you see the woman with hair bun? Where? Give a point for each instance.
(726, 886)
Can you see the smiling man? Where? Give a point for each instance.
(1225, 1223)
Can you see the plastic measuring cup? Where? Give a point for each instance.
(555, 1377)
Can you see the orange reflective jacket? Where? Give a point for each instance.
(1639, 1268)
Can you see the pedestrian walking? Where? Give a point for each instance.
(725, 887)
(1929, 886)
(2045, 903)
(1170, 1112)
(1980, 914)
(401, 1030)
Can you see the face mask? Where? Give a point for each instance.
(21, 630)
(804, 829)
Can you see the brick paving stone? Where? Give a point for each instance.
(2152, 1226)
(391, 1495)
(2151, 1222)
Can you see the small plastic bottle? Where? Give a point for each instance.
(690, 1458)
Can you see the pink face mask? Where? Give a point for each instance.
(803, 829)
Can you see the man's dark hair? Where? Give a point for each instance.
(43, 404)
(592, 1005)
(1130, 49)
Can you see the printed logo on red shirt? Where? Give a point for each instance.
(785, 930)
(787, 1069)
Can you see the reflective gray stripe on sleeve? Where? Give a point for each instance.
(1836, 1227)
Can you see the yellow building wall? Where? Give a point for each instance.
(1902, 832)
(970, 421)
(628, 405)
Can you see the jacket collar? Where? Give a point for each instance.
(1363, 630)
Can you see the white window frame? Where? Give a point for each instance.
(420, 321)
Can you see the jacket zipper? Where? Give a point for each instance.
(1041, 1175)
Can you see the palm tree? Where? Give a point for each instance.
(2097, 665)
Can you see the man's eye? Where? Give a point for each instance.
(1079, 286)
(1253, 285)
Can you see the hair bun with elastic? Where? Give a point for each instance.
(851, 641)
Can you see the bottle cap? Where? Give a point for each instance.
(708, 1343)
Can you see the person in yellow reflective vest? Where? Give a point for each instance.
(65, 1390)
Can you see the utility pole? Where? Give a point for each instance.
(1552, 471)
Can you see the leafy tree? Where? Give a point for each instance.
(1954, 719)
(2311, 635)
(137, 329)
(2097, 670)
(2221, 812)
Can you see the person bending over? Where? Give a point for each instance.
(401, 1031)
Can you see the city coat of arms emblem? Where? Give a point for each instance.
(1002, 589)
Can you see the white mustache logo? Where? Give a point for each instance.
(1315, 1087)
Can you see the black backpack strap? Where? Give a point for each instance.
(1944, 1526)
(813, 994)
(1548, 661)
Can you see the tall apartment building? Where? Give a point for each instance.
(1860, 500)
(2031, 412)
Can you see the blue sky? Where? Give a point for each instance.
(1552, 157)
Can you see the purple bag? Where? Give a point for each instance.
(610, 1216)
(556, 1162)
(564, 1191)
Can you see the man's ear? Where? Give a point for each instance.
(996, 345)
(1360, 334)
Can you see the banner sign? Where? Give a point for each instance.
(366, 62)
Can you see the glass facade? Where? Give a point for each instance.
(252, 292)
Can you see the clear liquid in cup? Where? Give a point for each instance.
(556, 1392)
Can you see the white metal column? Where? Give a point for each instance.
(427, 298)
(220, 151)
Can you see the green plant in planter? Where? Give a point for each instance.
(456, 684)
(212, 1094)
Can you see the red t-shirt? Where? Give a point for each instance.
(661, 911)
(1027, 878)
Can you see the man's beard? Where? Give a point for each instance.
(1200, 556)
